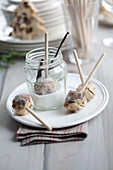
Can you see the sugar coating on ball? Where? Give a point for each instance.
(45, 86)
(20, 102)
(75, 101)
(89, 92)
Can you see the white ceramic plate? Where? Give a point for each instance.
(61, 118)
(105, 21)
(34, 1)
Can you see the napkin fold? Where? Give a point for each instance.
(30, 135)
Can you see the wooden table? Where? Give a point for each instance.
(94, 153)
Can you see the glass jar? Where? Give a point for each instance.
(48, 90)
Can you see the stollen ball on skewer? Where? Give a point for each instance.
(44, 86)
(89, 92)
(90, 87)
(75, 101)
(21, 102)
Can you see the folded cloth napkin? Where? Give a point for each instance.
(30, 135)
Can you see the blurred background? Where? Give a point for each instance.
(80, 17)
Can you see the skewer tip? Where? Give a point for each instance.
(103, 55)
(46, 36)
(75, 51)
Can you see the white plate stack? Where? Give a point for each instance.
(50, 11)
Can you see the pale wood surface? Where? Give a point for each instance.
(96, 152)
(39, 119)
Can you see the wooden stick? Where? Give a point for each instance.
(38, 118)
(77, 26)
(46, 54)
(89, 27)
(92, 73)
(83, 26)
(78, 66)
(80, 28)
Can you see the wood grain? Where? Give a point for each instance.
(89, 154)
(2, 80)
(105, 75)
(95, 152)
(12, 156)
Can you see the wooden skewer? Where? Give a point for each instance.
(83, 27)
(38, 118)
(79, 22)
(46, 53)
(78, 66)
(92, 73)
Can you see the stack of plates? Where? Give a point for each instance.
(51, 12)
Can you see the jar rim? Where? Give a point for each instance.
(36, 57)
(43, 48)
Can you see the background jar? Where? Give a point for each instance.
(35, 71)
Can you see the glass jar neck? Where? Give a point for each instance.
(36, 58)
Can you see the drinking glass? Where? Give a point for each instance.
(82, 22)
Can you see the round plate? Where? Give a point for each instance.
(34, 1)
(61, 118)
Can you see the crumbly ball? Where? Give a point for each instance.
(89, 92)
(75, 101)
(20, 102)
(46, 86)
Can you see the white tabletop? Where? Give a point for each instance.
(95, 152)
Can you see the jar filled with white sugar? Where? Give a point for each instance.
(46, 78)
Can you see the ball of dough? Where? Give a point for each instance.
(44, 86)
(89, 92)
(75, 101)
(20, 102)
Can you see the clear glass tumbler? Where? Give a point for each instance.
(82, 22)
(48, 90)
